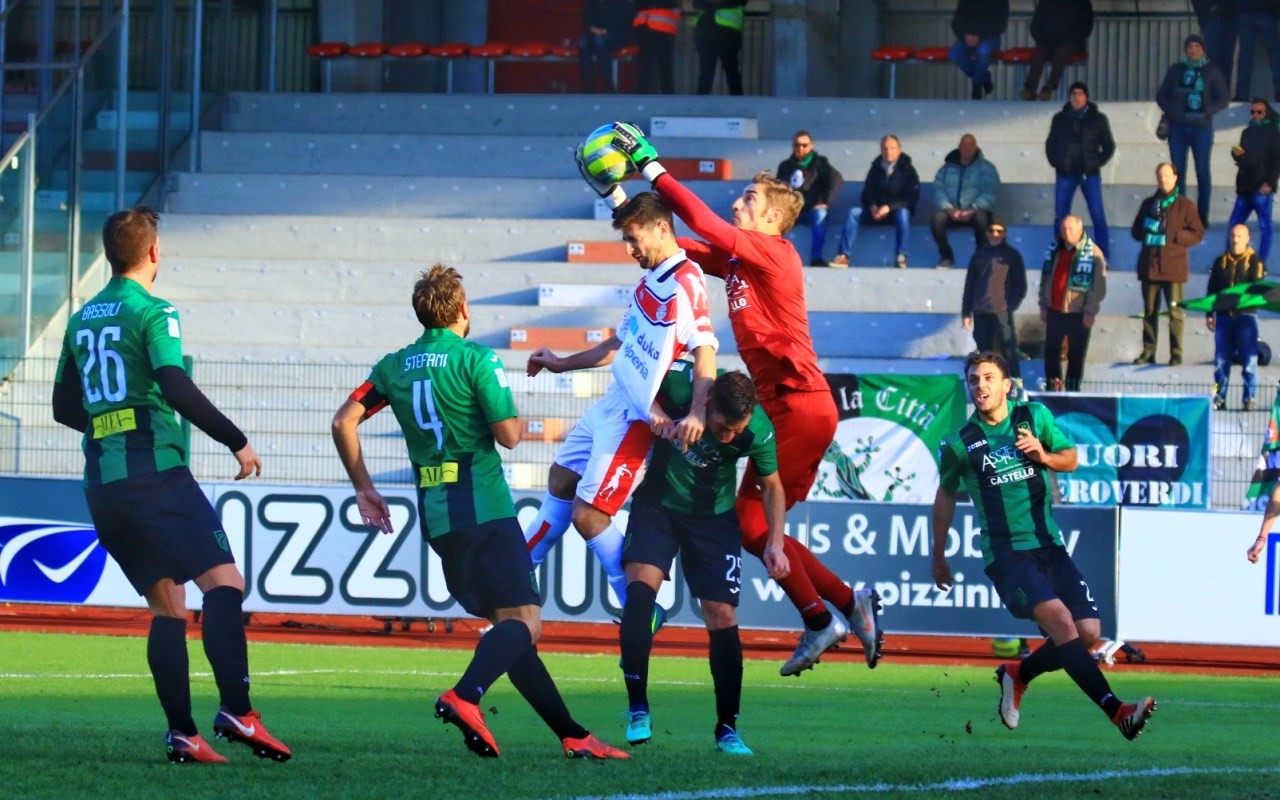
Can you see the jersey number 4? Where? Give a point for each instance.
(424, 411)
(110, 366)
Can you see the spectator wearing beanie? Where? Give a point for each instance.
(1079, 146)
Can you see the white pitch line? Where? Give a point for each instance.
(954, 785)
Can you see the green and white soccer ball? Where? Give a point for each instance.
(604, 162)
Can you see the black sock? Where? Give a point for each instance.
(635, 637)
(1046, 658)
(726, 673)
(167, 657)
(818, 621)
(497, 651)
(223, 625)
(531, 679)
(1084, 670)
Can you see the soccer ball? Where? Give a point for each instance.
(603, 162)
(1006, 648)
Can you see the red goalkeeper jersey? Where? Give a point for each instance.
(764, 281)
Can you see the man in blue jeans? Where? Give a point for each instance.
(889, 196)
(1193, 91)
(1235, 333)
(978, 25)
(1257, 160)
(1079, 146)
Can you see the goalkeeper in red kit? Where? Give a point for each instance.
(763, 278)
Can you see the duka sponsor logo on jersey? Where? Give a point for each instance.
(48, 561)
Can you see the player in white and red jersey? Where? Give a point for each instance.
(764, 280)
(603, 457)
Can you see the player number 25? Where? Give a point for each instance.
(107, 360)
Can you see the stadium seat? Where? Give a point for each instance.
(933, 55)
(893, 55)
(566, 51)
(409, 50)
(1017, 55)
(490, 52)
(531, 338)
(326, 52)
(597, 252)
(531, 50)
(450, 52)
(549, 429)
(368, 50)
(628, 53)
(699, 169)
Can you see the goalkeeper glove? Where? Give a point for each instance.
(612, 193)
(630, 139)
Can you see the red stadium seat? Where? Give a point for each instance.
(933, 54)
(409, 50)
(1017, 55)
(368, 50)
(564, 52)
(490, 51)
(450, 50)
(892, 54)
(326, 52)
(531, 50)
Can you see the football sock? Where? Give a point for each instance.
(725, 655)
(167, 657)
(222, 626)
(607, 545)
(797, 585)
(548, 526)
(825, 582)
(1084, 670)
(531, 679)
(497, 652)
(635, 636)
(1046, 658)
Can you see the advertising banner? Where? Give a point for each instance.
(303, 550)
(886, 445)
(1135, 450)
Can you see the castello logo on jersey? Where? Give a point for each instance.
(44, 561)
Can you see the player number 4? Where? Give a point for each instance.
(424, 411)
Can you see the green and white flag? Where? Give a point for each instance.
(886, 445)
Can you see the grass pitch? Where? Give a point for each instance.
(79, 718)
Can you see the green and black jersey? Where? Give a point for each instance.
(1012, 495)
(117, 341)
(703, 482)
(445, 393)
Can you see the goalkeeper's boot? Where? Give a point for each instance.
(470, 720)
(1132, 718)
(1011, 688)
(639, 726)
(590, 747)
(728, 741)
(250, 730)
(865, 624)
(813, 644)
(183, 749)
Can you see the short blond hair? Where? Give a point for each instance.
(781, 196)
(438, 296)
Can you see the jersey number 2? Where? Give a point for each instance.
(424, 411)
(107, 360)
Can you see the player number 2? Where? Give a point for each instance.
(107, 360)
(424, 411)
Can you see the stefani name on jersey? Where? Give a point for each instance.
(420, 360)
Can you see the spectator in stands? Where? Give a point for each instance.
(1061, 29)
(1255, 18)
(964, 191)
(812, 175)
(717, 35)
(1073, 283)
(1079, 146)
(1218, 27)
(1257, 160)
(1193, 91)
(1167, 225)
(606, 27)
(978, 26)
(655, 25)
(889, 195)
(1235, 333)
(994, 287)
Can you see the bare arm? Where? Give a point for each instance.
(944, 511)
(1269, 518)
(689, 429)
(506, 432)
(775, 512)
(374, 511)
(599, 356)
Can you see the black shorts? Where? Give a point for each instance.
(1027, 578)
(710, 548)
(158, 526)
(487, 567)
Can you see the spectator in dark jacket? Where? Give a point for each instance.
(1168, 225)
(1218, 26)
(1079, 146)
(978, 26)
(1193, 91)
(1257, 170)
(1061, 29)
(889, 195)
(964, 192)
(813, 176)
(1235, 332)
(994, 287)
(717, 36)
(1257, 21)
(606, 27)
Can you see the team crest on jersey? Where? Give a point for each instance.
(658, 310)
(44, 561)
